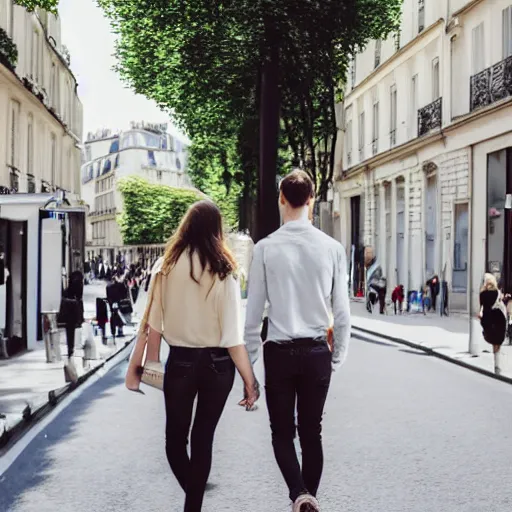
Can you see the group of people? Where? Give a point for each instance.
(298, 274)
(376, 282)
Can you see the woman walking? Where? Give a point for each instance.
(493, 317)
(194, 304)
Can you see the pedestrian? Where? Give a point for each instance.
(397, 297)
(71, 315)
(493, 317)
(194, 304)
(375, 282)
(117, 293)
(434, 288)
(302, 273)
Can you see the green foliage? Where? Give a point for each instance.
(202, 62)
(152, 213)
(214, 175)
(31, 5)
(8, 49)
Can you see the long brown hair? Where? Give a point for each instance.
(200, 231)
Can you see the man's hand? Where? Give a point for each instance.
(251, 396)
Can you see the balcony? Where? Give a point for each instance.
(430, 117)
(491, 85)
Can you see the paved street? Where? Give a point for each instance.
(403, 432)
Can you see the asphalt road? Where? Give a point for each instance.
(403, 433)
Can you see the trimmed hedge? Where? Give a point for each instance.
(152, 212)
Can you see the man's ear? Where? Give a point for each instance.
(282, 199)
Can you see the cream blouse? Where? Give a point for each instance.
(194, 315)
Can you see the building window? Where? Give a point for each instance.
(378, 51)
(435, 79)
(30, 145)
(14, 134)
(375, 128)
(393, 115)
(507, 32)
(477, 53)
(34, 56)
(114, 146)
(14, 181)
(353, 72)
(107, 166)
(396, 38)
(421, 15)
(53, 161)
(361, 136)
(151, 159)
(9, 17)
(348, 134)
(413, 121)
(116, 162)
(55, 88)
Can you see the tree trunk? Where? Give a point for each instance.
(268, 213)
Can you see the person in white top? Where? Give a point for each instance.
(195, 307)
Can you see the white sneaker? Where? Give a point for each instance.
(306, 503)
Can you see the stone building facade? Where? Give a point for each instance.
(424, 139)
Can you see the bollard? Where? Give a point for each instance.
(51, 337)
(90, 349)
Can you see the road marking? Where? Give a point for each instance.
(8, 458)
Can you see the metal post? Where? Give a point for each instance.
(51, 337)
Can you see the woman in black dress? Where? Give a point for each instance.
(493, 316)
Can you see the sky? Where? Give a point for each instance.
(106, 100)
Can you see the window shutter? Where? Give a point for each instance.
(507, 32)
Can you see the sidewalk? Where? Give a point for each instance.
(27, 379)
(445, 337)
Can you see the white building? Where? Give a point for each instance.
(40, 113)
(40, 129)
(427, 150)
(145, 150)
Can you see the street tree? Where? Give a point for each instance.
(237, 73)
(47, 5)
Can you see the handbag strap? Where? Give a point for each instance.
(157, 277)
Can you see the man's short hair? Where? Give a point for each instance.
(297, 188)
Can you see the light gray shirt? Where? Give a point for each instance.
(302, 274)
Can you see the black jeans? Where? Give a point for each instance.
(209, 374)
(298, 375)
(70, 339)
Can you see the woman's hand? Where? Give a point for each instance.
(251, 395)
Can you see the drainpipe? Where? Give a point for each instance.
(473, 342)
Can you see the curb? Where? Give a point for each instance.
(30, 417)
(360, 332)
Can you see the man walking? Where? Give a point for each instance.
(302, 273)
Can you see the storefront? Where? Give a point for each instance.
(42, 240)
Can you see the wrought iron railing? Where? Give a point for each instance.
(491, 84)
(392, 137)
(430, 117)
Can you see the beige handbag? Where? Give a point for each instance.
(152, 372)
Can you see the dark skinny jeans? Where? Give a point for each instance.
(208, 374)
(297, 375)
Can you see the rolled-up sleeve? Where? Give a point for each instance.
(229, 307)
(155, 318)
(257, 298)
(340, 310)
